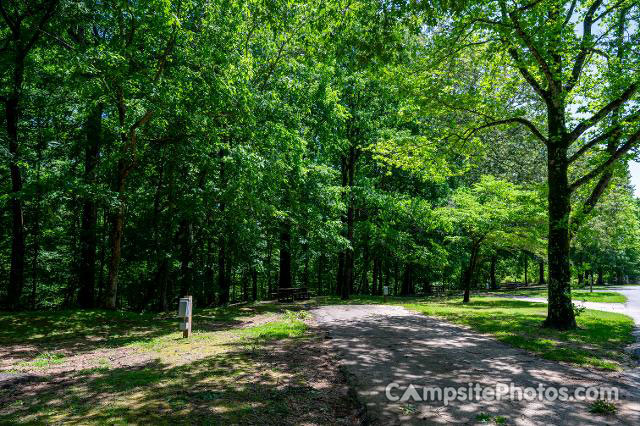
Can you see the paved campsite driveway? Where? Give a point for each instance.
(378, 345)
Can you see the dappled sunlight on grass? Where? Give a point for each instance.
(599, 341)
(582, 295)
(121, 368)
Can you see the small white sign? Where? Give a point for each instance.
(385, 290)
(184, 307)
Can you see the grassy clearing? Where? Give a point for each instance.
(598, 342)
(582, 295)
(244, 365)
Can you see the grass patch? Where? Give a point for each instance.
(602, 407)
(137, 368)
(598, 341)
(43, 360)
(581, 295)
(276, 330)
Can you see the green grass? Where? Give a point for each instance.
(605, 408)
(598, 342)
(44, 360)
(276, 330)
(581, 295)
(137, 368)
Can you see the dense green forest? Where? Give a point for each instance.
(226, 148)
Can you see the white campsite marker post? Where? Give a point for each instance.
(185, 306)
(385, 291)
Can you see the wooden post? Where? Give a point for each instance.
(185, 312)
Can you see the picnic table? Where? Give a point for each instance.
(292, 294)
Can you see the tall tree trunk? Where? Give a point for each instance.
(36, 224)
(364, 283)
(254, 284)
(117, 229)
(223, 278)
(560, 310)
(126, 162)
(407, 281)
(347, 288)
(319, 287)
(103, 252)
(469, 271)
(269, 271)
(284, 275)
(340, 274)
(88, 240)
(526, 269)
(492, 272)
(374, 284)
(12, 112)
(186, 233)
(541, 271)
(208, 275)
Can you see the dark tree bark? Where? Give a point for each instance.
(560, 309)
(254, 284)
(223, 278)
(12, 111)
(88, 240)
(186, 272)
(21, 39)
(36, 225)
(284, 275)
(526, 269)
(347, 289)
(102, 256)
(407, 281)
(467, 276)
(269, 269)
(492, 272)
(126, 162)
(320, 277)
(374, 283)
(340, 274)
(541, 271)
(364, 281)
(209, 275)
